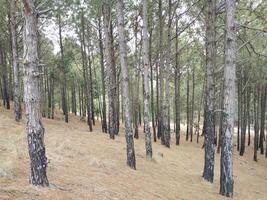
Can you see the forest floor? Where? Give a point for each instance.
(84, 165)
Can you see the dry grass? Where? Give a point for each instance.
(86, 165)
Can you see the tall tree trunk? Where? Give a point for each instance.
(262, 122)
(248, 113)
(111, 71)
(87, 86)
(17, 106)
(238, 112)
(192, 106)
(104, 112)
(125, 87)
(256, 103)
(208, 172)
(177, 87)
(243, 113)
(161, 81)
(32, 97)
(220, 122)
(5, 84)
(151, 81)
(63, 72)
(187, 105)
(146, 82)
(226, 176)
(166, 107)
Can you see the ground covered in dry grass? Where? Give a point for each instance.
(84, 165)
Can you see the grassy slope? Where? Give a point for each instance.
(84, 165)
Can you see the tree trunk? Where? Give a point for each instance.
(32, 97)
(17, 105)
(226, 175)
(238, 112)
(243, 113)
(166, 107)
(63, 72)
(262, 122)
(161, 81)
(111, 71)
(187, 106)
(125, 87)
(177, 87)
(87, 86)
(5, 84)
(151, 81)
(148, 144)
(248, 113)
(192, 106)
(256, 103)
(208, 172)
(104, 112)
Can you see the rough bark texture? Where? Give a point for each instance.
(262, 122)
(177, 88)
(5, 88)
(125, 87)
(256, 104)
(161, 81)
(111, 71)
(87, 82)
(243, 124)
(226, 176)
(146, 83)
(63, 72)
(104, 112)
(208, 172)
(32, 95)
(17, 106)
(166, 107)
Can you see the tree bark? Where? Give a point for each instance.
(208, 172)
(104, 112)
(6, 99)
(226, 175)
(262, 122)
(256, 104)
(148, 144)
(63, 72)
(32, 95)
(177, 87)
(111, 71)
(125, 87)
(17, 99)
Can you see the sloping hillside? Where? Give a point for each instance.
(84, 165)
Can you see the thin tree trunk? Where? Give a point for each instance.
(87, 87)
(63, 72)
(208, 172)
(17, 99)
(243, 113)
(187, 106)
(248, 113)
(151, 81)
(192, 106)
(177, 87)
(125, 87)
(111, 71)
(148, 144)
(262, 122)
(226, 175)
(256, 122)
(32, 97)
(104, 112)
(6, 99)
(161, 81)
